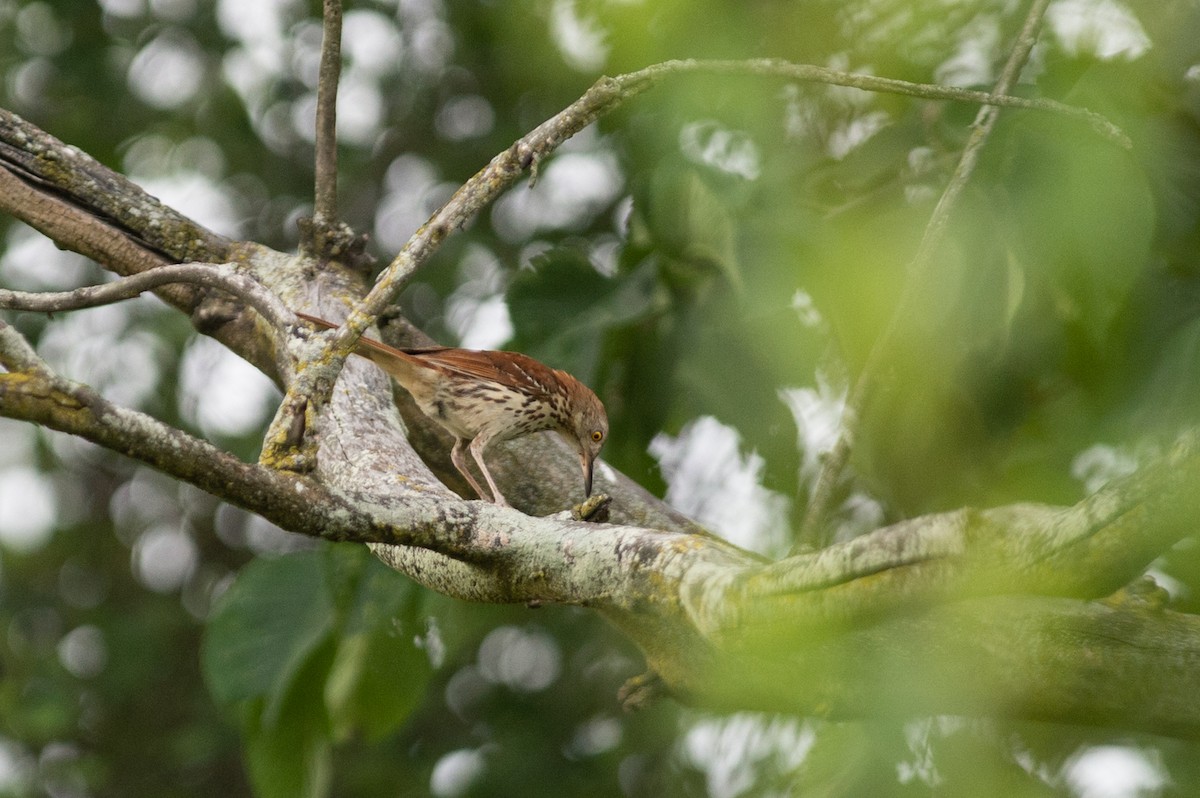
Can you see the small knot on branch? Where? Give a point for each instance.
(326, 241)
(286, 446)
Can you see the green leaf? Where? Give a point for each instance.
(266, 627)
(562, 309)
(315, 646)
(840, 761)
(1170, 397)
(1086, 216)
(689, 224)
(378, 674)
(291, 753)
(339, 617)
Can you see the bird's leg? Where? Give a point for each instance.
(477, 452)
(460, 462)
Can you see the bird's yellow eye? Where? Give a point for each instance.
(597, 435)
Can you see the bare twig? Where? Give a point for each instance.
(604, 96)
(771, 67)
(323, 237)
(325, 198)
(812, 533)
(224, 276)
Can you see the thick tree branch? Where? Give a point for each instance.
(685, 598)
(83, 206)
(1087, 550)
(1024, 658)
(45, 163)
(30, 391)
(658, 587)
(61, 221)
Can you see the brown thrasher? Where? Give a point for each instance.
(485, 396)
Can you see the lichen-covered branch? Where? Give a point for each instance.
(41, 161)
(1014, 657)
(83, 206)
(30, 391)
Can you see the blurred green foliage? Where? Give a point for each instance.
(717, 243)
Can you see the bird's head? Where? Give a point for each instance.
(588, 430)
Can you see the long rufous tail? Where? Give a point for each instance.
(387, 357)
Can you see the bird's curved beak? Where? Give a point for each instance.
(586, 460)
